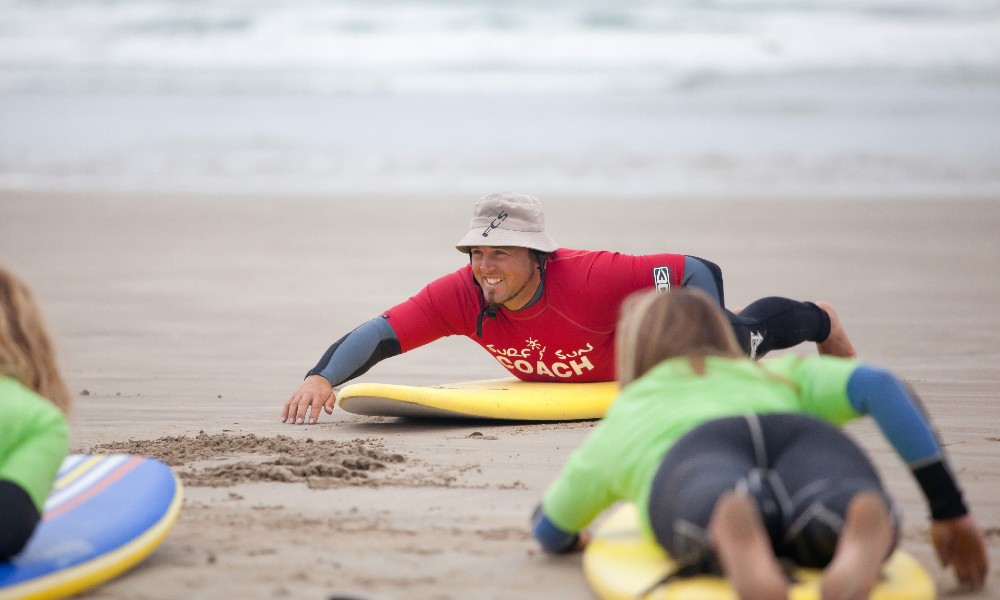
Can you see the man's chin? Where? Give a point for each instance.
(492, 298)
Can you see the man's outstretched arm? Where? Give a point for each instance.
(347, 358)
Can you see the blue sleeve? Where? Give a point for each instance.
(358, 351)
(549, 535)
(704, 275)
(879, 393)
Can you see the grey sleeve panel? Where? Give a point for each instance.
(704, 275)
(356, 352)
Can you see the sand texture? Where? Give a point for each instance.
(184, 322)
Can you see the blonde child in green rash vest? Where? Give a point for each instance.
(34, 433)
(734, 464)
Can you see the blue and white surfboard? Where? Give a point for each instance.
(105, 514)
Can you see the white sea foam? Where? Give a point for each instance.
(766, 97)
(433, 47)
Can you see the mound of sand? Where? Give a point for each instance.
(319, 464)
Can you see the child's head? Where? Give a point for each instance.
(655, 327)
(26, 351)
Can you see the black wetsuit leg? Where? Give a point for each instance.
(802, 473)
(821, 469)
(703, 464)
(775, 323)
(18, 519)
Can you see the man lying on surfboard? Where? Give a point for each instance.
(546, 313)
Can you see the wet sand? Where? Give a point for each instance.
(184, 322)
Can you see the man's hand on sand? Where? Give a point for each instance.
(304, 405)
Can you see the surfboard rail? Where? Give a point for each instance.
(501, 399)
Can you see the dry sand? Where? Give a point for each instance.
(185, 322)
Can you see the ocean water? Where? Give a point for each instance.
(861, 98)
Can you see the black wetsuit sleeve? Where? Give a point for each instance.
(941, 490)
(18, 519)
(358, 351)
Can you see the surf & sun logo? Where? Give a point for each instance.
(562, 364)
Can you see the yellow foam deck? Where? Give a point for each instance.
(620, 564)
(508, 399)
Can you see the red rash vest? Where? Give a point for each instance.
(566, 336)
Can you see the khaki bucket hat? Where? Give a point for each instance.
(508, 219)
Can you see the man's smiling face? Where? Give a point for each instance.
(508, 274)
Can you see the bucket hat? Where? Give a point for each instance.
(508, 219)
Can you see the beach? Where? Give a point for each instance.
(184, 321)
(204, 196)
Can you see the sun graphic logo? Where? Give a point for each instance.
(533, 344)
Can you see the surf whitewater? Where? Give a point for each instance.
(865, 98)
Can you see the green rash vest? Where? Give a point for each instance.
(620, 457)
(34, 439)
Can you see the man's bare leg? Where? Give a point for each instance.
(861, 550)
(744, 549)
(837, 343)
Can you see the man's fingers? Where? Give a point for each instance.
(295, 409)
(304, 407)
(288, 409)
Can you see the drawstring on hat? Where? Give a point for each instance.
(541, 257)
(489, 310)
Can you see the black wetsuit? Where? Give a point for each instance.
(802, 473)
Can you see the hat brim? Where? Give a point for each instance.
(535, 240)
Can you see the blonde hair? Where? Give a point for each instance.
(26, 351)
(655, 327)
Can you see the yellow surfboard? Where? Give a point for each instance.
(622, 564)
(508, 399)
